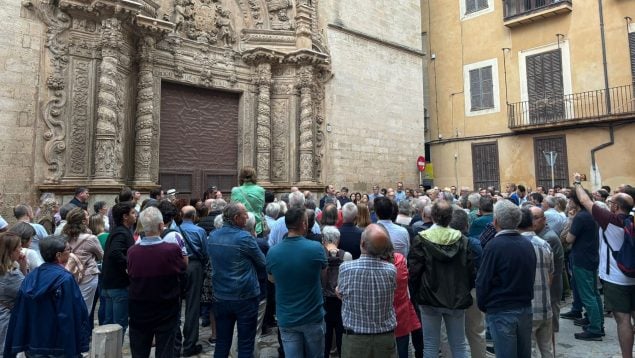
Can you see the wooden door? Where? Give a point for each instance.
(199, 139)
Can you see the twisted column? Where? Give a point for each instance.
(305, 83)
(145, 110)
(263, 122)
(105, 134)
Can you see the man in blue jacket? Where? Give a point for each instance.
(49, 318)
(236, 263)
(505, 284)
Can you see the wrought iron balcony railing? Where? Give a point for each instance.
(616, 103)
(521, 7)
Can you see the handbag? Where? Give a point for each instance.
(74, 265)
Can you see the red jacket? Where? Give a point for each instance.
(407, 320)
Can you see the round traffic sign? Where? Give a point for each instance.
(421, 163)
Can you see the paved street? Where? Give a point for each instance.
(566, 345)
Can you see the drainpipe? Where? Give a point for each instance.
(607, 95)
(596, 180)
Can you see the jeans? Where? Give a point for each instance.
(402, 346)
(116, 300)
(586, 285)
(511, 331)
(455, 324)
(305, 341)
(243, 313)
(576, 305)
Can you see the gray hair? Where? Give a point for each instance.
(272, 210)
(349, 212)
(460, 221)
(427, 210)
(421, 203)
(507, 215)
(405, 208)
(230, 212)
(330, 235)
(151, 220)
(447, 196)
(218, 205)
(562, 201)
(474, 199)
(51, 245)
(296, 200)
(551, 201)
(218, 221)
(250, 224)
(384, 253)
(283, 208)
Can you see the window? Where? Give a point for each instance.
(485, 169)
(545, 87)
(481, 89)
(542, 147)
(475, 5)
(473, 8)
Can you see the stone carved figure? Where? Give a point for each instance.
(183, 13)
(279, 14)
(226, 33)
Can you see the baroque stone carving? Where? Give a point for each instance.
(145, 109)
(280, 135)
(206, 21)
(107, 106)
(263, 126)
(79, 120)
(279, 14)
(57, 23)
(305, 83)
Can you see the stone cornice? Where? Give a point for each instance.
(307, 57)
(260, 55)
(153, 24)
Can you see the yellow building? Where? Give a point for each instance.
(513, 82)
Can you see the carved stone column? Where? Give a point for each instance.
(144, 116)
(305, 84)
(303, 25)
(263, 122)
(107, 116)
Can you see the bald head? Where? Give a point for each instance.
(376, 242)
(189, 212)
(624, 202)
(538, 217)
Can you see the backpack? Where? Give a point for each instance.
(625, 256)
(74, 265)
(333, 270)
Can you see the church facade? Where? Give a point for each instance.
(183, 93)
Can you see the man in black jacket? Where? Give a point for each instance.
(115, 279)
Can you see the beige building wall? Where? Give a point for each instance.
(374, 102)
(458, 41)
(21, 40)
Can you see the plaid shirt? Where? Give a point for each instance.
(541, 304)
(367, 286)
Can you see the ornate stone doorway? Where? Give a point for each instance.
(198, 139)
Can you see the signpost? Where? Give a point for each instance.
(421, 165)
(551, 156)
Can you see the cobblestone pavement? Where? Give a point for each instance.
(566, 345)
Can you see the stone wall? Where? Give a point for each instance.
(374, 101)
(21, 41)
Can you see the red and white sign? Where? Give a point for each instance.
(421, 163)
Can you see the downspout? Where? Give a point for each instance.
(607, 95)
(595, 172)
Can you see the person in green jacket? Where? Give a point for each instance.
(251, 195)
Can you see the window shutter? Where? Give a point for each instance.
(470, 6)
(487, 88)
(485, 165)
(557, 144)
(545, 87)
(631, 43)
(475, 90)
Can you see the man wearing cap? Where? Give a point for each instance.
(171, 195)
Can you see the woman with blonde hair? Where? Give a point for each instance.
(97, 227)
(363, 216)
(87, 249)
(13, 267)
(252, 196)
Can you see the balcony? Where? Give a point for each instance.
(518, 12)
(573, 109)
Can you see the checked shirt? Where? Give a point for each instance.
(367, 286)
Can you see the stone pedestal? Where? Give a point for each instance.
(107, 341)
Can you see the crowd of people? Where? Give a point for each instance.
(352, 274)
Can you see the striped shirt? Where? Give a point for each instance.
(367, 286)
(541, 304)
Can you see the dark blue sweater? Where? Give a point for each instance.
(505, 279)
